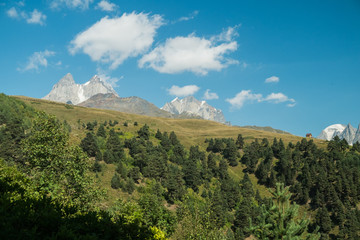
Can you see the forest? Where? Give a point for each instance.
(232, 189)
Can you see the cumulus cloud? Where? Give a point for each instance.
(106, 6)
(72, 4)
(183, 91)
(209, 95)
(189, 17)
(37, 60)
(34, 17)
(247, 96)
(191, 53)
(113, 40)
(273, 79)
(244, 96)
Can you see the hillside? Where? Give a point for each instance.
(189, 131)
(96, 169)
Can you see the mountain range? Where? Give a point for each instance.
(347, 132)
(98, 94)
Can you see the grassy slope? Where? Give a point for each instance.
(189, 131)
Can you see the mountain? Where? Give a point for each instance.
(357, 135)
(348, 134)
(67, 91)
(192, 107)
(331, 131)
(134, 105)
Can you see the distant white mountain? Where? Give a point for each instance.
(331, 131)
(67, 91)
(347, 132)
(193, 107)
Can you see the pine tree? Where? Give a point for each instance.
(323, 220)
(101, 131)
(89, 145)
(240, 142)
(279, 221)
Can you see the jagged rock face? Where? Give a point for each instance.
(357, 136)
(66, 90)
(331, 131)
(134, 105)
(349, 133)
(193, 107)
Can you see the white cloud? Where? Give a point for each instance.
(244, 96)
(113, 40)
(278, 98)
(106, 6)
(227, 35)
(36, 17)
(110, 80)
(189, 17)
(183, 91)
(273, 79)
(12, 13)
(209, 95)
(72, 4)
(191, 53)
(103, 75)
(37, 60)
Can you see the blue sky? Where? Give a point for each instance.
(292, 65)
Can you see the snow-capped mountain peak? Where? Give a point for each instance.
(191, 106)
(66, 90)
(347, 132)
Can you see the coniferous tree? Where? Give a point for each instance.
(144, 132)
(101, 131)
(240, 141)
(279, 221)
(89, 145)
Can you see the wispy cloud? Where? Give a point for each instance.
(71, 4)
(34, 17)
(210, 95)
(189, 17)
(113, 40)
(272, 79)
(183, 91)
(247, 96)
(112, 81)
(37, 60)
(192, 54)
(106, 6)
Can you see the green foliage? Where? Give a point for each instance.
(89, 145)
(57, 168)
(144, 132)
(279, 220)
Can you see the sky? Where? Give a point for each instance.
(291, 65)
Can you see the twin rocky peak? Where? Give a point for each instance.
(97, 93)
